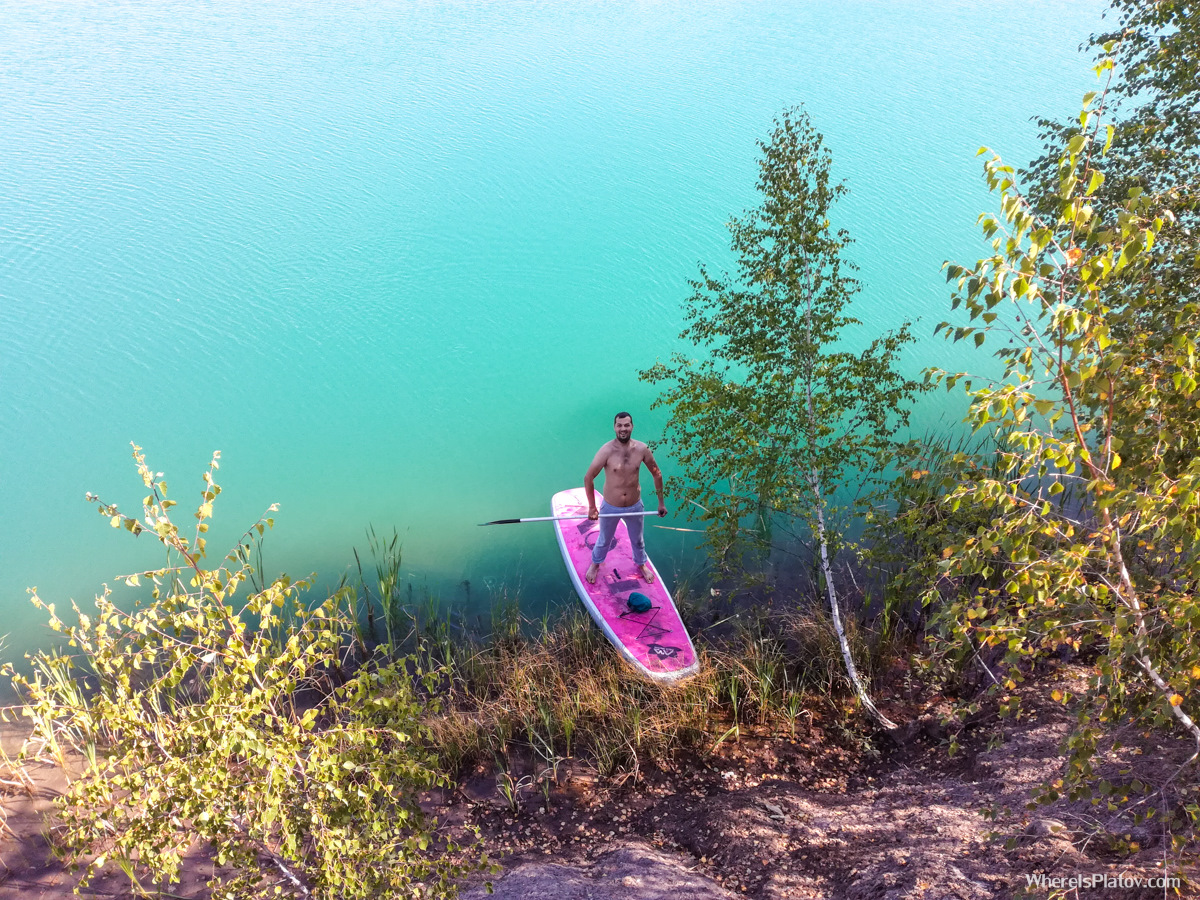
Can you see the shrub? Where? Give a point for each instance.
(235, 723)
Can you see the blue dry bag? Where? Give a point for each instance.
(639, 602)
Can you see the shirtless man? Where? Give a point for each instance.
(621, 460)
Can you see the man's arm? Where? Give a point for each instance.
(652, 465)
(589, 480)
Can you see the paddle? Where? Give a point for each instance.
(649, 512)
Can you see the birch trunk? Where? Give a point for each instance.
(814, 481)
(827, 571)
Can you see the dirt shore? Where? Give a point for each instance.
(818, 815)
(784, 820)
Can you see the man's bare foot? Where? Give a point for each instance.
(647, 572)
(591, 573)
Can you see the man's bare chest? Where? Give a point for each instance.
(623, 462)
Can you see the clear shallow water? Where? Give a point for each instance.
(401, 262)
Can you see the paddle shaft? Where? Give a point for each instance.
(564, 518)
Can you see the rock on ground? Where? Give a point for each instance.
(632, 871)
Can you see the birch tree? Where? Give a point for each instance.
(1095, 539)
(779, 413)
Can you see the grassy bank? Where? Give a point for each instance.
(531, 695)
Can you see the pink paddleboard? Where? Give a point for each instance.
(654, 642)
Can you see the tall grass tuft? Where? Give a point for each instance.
(541, 692)
(530, 694)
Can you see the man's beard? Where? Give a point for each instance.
(624, 440)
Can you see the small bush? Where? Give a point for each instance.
(236, 724)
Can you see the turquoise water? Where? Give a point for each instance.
(401, 262)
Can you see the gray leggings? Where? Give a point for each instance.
(635, 525)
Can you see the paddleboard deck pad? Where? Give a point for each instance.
(654, 642)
